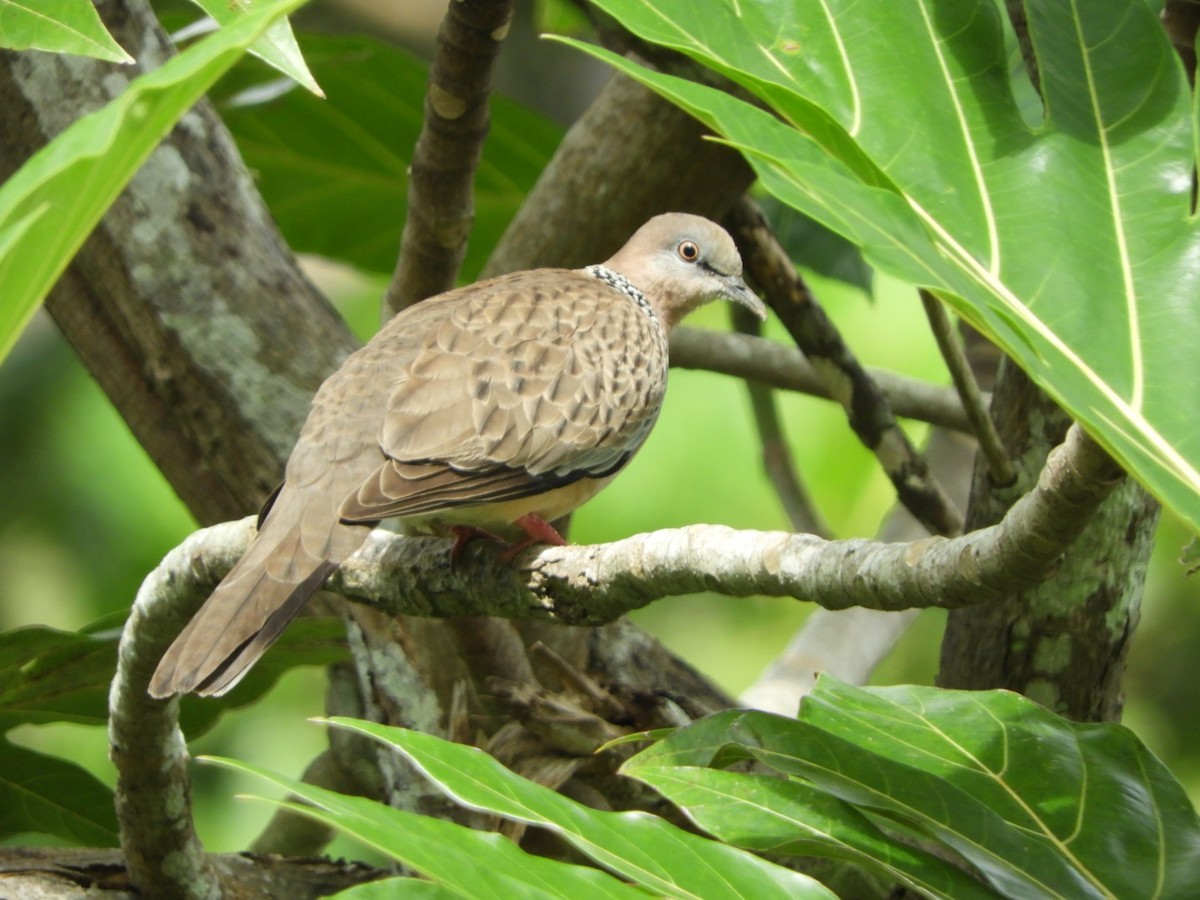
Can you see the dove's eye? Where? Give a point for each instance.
(688, 251)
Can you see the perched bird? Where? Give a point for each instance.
(505, 403)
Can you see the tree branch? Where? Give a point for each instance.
(596, 584)
(153, 795)
(769, 266)
(184, 304)
(441, 208)
(72, 873)
(778, 365)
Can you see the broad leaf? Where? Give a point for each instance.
(476, 863)
(277, 47)
(1070, 241)
(779, 816)
(387, 888)
(59, 26)
(645, 849)
(47, 795)
(52, 203)
(335, 173)
(54, 676)
(1039, 806)
(61, 676)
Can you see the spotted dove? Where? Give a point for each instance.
(505, 403)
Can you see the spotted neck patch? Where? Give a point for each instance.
(624, 285)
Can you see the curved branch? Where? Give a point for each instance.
(153, 796)
(572, 585)
(593, 585)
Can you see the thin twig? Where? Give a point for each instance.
(782, 366)
(870, 416)
(776, 454)
(1000, 467)
(441, 208)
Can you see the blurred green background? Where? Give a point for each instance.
(85, 515)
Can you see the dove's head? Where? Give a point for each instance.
(680, 262)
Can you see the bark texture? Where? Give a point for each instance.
(1063, 642)
(184, 304)
(441, 205)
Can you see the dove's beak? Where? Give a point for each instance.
(737, 292)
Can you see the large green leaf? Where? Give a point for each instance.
(53, 202)
(44, 794)
(335, 173)
(1070, 240)
(473, 863)
(58, 26)
(778, 816)
(387, 888)
(1039, 806)
(645, 849)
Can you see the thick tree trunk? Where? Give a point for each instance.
(184, 304)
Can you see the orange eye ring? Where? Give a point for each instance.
(688, 251)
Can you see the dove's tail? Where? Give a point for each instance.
(296, 550)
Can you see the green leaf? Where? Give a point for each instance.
(474, 863)
(61, 676)
(277, 47)
(335, 173)
(645, 849)
(67, 186)
(47, 795)
(1070, 241)
(777, 816)
(59, 26)
(54, 676)
(1038, 805)
(387, 888)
